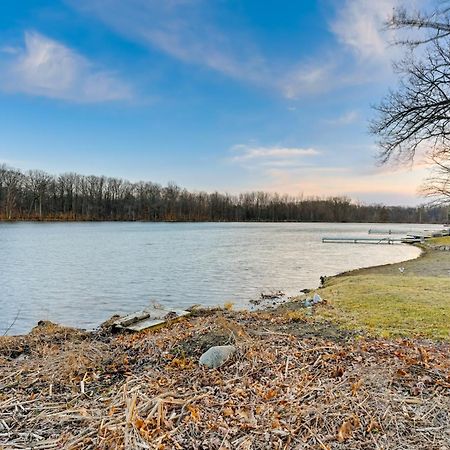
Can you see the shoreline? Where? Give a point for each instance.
(407, 299)
(204, 221)
(423, 251)
(263, 306)
(249, 308)
(294, 381)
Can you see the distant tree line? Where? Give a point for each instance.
(37, 195)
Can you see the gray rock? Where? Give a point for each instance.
(216, 356)
(307, 303)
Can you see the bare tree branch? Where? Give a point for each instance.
(416, 116)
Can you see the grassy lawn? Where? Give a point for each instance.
(440, 241)
(390, 305)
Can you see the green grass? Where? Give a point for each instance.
(389, 306)
(440, 241)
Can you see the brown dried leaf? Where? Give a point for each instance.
(423, 355)
(195, 413)
(356, 386)
(373, 425)
(228, 412)
(347, 428)
(345, 431)
(338, 372)
(271, 394)
(355, 421)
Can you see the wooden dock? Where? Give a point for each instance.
(407, 237)
(425, 233)
(363, 240)
(381, 231)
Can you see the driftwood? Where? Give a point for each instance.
(148, 318)
(272, 295)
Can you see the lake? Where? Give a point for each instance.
(80, 274)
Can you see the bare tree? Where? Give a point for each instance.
(437, 186)
(10, 182)
(37, 182)
(38, 195)
(426, 26)
(416, 116)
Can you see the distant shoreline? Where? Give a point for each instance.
(38, 195)
(205, 221)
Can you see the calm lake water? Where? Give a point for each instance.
(80, 274)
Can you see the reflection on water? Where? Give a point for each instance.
(82, 273)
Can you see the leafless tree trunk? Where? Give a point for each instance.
(37, 182)
(11, 180)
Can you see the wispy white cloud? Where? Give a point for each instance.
(307, 79)
(363, 52)
(9, 49)
(184, 29)
(189, 31)
(274, 155)
(313, 172)
(346, 118)
(48, 68)
(360, 25)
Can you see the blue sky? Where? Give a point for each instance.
(228, 95)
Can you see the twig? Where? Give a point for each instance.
(14, 321)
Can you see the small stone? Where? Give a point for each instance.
(217, 356)
(307, 303)
(316, 299)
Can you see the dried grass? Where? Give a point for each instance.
(280, 391)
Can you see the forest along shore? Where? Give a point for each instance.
(38, 196)
(351, 375)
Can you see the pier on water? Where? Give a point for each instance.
(386, 237)
(380, 231)
(363, 240)
(424, 233)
